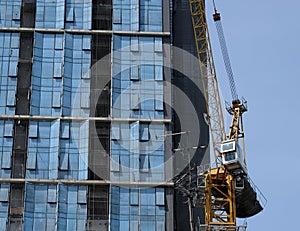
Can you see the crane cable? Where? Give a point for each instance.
(226, 59)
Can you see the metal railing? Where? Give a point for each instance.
(260, 196)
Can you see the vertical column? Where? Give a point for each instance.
(189, 82)
(99, 133)
(19, 154)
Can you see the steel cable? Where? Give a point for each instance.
(226, 60)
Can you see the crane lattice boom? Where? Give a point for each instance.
(208, 75)
(226, 189)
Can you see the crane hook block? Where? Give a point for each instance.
(217, 17)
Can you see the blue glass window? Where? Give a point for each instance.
(11, 98)
(65, 130)
(78, 14)
(52, 194)
(8, 129)
(144, 132)
(115, 129)
(134, 101)
(33, 129)
(6, 160)
(82, 195)
(134, 73)
(70, 14)
(117, 16)
(10, 12)
(144, 163)
(115, 163)
(9, 56)
(160, 196)
(159, 105)
(134, 196)
(31, 161)
(4, 193)
(50, 14)
(64, 161)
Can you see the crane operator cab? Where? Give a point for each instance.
(233, 157)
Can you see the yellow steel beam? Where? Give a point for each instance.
(220, 198)
(208, 75)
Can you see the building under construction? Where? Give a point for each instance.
(95, 115)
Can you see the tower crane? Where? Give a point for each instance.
(225, 190)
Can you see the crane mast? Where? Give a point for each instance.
(225, 187)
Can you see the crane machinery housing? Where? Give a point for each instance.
(225, 190)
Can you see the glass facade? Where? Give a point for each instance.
(9, 51)
(54, 146)
(83, 115)
(137, 148)
(137, 209)
(10, 13)
(137, 15)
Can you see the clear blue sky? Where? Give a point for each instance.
(263, 39)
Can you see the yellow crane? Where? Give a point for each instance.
(226, 189)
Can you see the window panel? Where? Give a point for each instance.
(81, 224)
(144, 163)
(134, 15)
(160, 225)
(134, 196)
(56, 100)
(59, 42)
(155, 17)
(134, 44)
(134, 73)
(65, 130)
(144, 132)
(33, 129)
(10, 98)
(13, 67)
(6, 160)
(86, 42)
(117, 16)
(31, 160)
(158, 44)
(81, 196)
(57, 70)
(8, 129)
(115, 163)
(134, 130)
(134, 102)
(70, 14)
(144, 17)
(52, 194)
(4, 193)
(16, 13)
(64, 161)
(115, 132)
(158, 73)
(134, 226)
(159, 105)
(85, 100)
(160, 196)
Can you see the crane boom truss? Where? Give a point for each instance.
(219, 200)
(222, 200)
(208, 74)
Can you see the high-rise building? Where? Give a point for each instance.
(101, 110)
